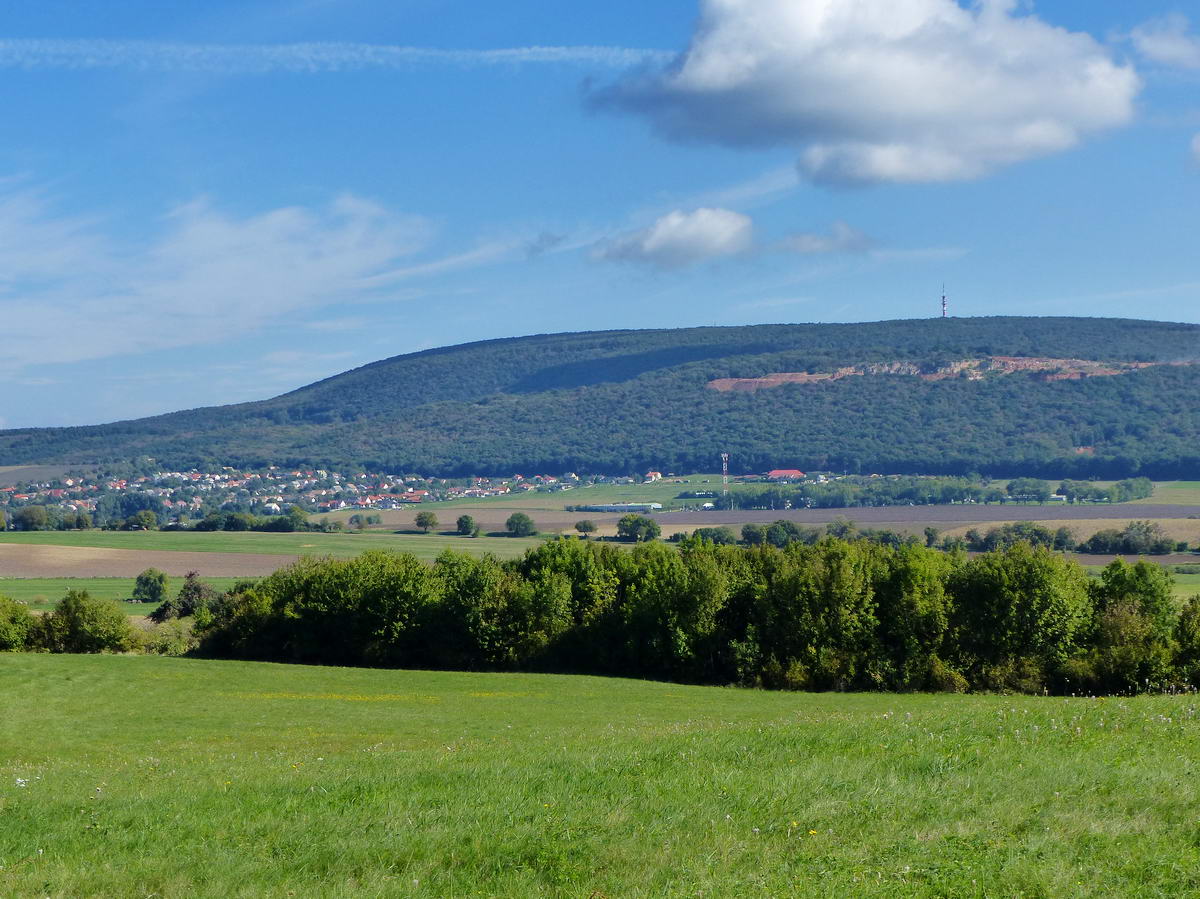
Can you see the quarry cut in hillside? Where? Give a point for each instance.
(1047, 369)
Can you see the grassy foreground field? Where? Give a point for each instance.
(135, 776)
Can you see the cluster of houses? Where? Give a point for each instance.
(192, 494)
(271, 491)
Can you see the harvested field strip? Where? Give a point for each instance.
(253, 542)
(938, 515)
(31, 561)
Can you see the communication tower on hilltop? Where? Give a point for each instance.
(945, 305)
(724, 474)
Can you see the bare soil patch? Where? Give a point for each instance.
(1045, 368)
(81, 561)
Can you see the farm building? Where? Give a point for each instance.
(623, 507)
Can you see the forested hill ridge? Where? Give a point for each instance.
(1037, 396)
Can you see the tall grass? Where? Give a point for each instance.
(123, 776)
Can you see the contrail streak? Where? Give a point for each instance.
(256, 59)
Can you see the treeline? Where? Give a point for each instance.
(832, 615)
(1137, 538)
(851, 492)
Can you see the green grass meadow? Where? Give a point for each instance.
(144, 776)
(40, 594)
(346, 545)
(1171, 493)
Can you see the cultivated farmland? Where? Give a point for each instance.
(40, 554)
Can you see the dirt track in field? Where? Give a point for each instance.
(18, 560)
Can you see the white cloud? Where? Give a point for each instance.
(1167, 40)
(252, 59)
(884, 90)
(1196, 149)
(682, 238)
(69, 294)
(842, 238)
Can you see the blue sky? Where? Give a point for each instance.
(205, 203)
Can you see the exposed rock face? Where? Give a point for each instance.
(973, 369)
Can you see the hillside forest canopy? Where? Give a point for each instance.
(628, 401)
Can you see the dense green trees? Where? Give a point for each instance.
(31, 518)
(427, 520)
(638, 528)
(834, 614)
(828, 615)
(465, 526)
(1136, 538)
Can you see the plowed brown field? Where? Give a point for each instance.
(84, 561)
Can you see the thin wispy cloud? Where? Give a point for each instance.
(299, 58)
(70, 293)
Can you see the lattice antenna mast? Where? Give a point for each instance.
(724, 474)
(945, 305)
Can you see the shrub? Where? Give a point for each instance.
(171, 638)
(150, 586)
(16, 625)
(80, 623)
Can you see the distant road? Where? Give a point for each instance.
(969, 514)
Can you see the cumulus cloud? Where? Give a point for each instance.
(68, 293)
(1196, 149)
(1168, 40)
(253, 59)
(681, 238)
(883, 90)
(842, 238)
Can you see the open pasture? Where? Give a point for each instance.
(40, 594)
(1171, 493)
(547, 509)
(20, 474)
(153, 776)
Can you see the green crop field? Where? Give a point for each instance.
(425, 546)
(664, 492)
(1173, 493)
(142, 776)
(40, 594)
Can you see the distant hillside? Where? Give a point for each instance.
(1052, 396)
